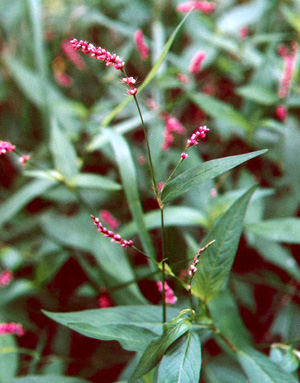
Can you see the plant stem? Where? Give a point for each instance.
(164, 310)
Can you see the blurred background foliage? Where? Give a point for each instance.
(55, 104)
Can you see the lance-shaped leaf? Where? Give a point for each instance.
(133, 326)
(9, 358)
(158, 347)
(53, 378)
(182, 362)
(95, 181)
(199, 174)
(215, 264)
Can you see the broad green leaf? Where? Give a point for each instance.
(133, 326)
(259, 368)
(9, 358)
(95, 181)
(182, 361)
(199, 174)
(80, 233)
(278, 230)
(220, 110)
(129, 180)
(158, 347)
(174, 216)
(63, 152)
(22, 197)
(51, 378)
(216, 262)
(149, 77)
(224, 369)
(286, 322)
(258, 93)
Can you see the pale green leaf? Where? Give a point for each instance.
(51, 378)
(95, 181)
(9, 358)
(278, 230)
(258, 93)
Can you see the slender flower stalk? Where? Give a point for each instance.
(107, 233)
(6, 147)
(11, 328)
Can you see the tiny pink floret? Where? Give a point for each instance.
(184, 156)
(107, 233)
(132, 92)
(11, 328)
(24, 159)
(195, 65)
(202, 6)
(281, 113)
(197, 136)
(6, 147)
(5, 278)
(130, 81)
(140, 44)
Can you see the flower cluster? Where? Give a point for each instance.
(107, 233)
(197, 136)
(289, 62)
(11, 328)
(140, 44)
(130, 81)
(202, 6)
(6, 147)
(196, 62)
(172, 126)
(109, 219)
(169, 293)
(5, 278)
(98, 53)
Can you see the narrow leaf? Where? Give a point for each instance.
(53, 378)
(258, 93)
(157, 348)
(182, 362)
(133, 326)
(278, 230)
(215, 264)
(9, 358)
(199, 174)
(63, 152)
(95, 181)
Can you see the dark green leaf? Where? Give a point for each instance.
(133, 326)
(259, 94)
(182, 362)
(199, 174)
(224, 369)
(49, 379)
(216, 262)
(158, 347)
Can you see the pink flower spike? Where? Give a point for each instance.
(196, 62)
(281, 113)
(202, 6)
(184, 155)
(109, 219)
(5, 278)
(140, 44)
(24, 159)
(107, 233)
(72, 56)
(289, 63)
(197, 136)
(132, 92)
(169, 293)
(6, 147)
(130, 81)
(11, 328)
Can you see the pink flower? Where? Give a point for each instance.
(63, 79)
(281, 113)
(132, 92)
(160, 185)
(195, 65)
(172, 125)
(24, 159)
(184, 156)
(243, 33)
(98, 53)
(11, 328)
(109, 219)
(130, 81)
(72, 55)
(197, 136)
(140, 44)
(107, 233)
(6, 147)
(5, 278)
(182, 78)
(289, 62)
(104, 301)
(202, 6)
(169, 293)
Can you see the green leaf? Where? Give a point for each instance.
(259, 368)
(133, 326)
(278, 230)
(286, 359)
(224, 369)
(63, 152)
(214, 266)
(129, 180)
(22, 197)
(182, 362)
(9, 359)
(258, 93)
(51, 378)
(158, 347)
(292, 17)
(199, 174)
(95, 181)
(220, 110)
(149, 77)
